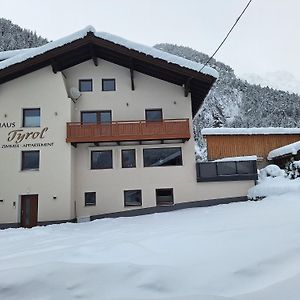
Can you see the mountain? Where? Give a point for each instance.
(280, 80)
(14, 37)
(233, 102)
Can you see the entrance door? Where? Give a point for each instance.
(29, 210)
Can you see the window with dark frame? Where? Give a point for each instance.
(30, 160)
(101, 159)
(101, 116)
(85, 85)
(164, 197)
(158, 157)
(31, 117)
(108, 84)
(128, 158)
(153, 115)
(226, 170)
(90, 198)
(133, 198)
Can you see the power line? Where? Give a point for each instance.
(237, 20)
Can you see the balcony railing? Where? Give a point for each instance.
(226, 171)
(119, 131)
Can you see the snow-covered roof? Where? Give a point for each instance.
(11, 53)
(12, 59)
(249, 131)
(237, 158)
(285, 150)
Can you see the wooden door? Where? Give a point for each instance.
(29, 210)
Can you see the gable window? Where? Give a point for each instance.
(133, 198)
(89, 198)
(85, 85)
(30, 160)
(103, 116)
(128, 158)
(157, 157)
(31, 117)
(108, 85)
(153, 114)
(101, 159)
(164, 197)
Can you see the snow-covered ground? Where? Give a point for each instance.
(238, 251)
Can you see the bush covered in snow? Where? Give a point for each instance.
(293, 169)
(270, 171)
(274, 181)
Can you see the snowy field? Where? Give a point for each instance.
(247, 250)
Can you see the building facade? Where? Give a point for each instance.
(93, 126)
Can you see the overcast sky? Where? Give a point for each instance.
(267, 38)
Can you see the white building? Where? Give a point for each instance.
(93, 125)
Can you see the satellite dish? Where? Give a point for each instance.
(74, 93)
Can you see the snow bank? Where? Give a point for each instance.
(275, 186)
(155, 53)
(272, 171)
(273, 181)
(249, 131)
(238, 158)
(285, 150)
(236, 251)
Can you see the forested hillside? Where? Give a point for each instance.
(14, 37)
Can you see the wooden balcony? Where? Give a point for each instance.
(121, 131)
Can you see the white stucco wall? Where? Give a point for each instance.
(126, 104)
(45, 90)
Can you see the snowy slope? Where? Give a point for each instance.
(280, 80)
(236, 251)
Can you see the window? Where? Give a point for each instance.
(133, 198)
(153, 114)
(89, 198)
(108, 85)
(128, 158)
(30, 160)
(96, 116)
(156, 157)
(85, 85)
(164, 197)
(246, 167)
(226, 171)
(31, 117)
(226, 168)
(101, 159)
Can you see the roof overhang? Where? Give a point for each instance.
(93, 47)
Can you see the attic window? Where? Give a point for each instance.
(85, 85)
(108, 85)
